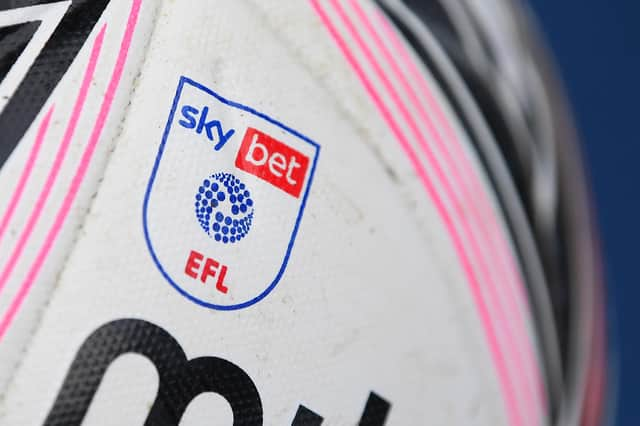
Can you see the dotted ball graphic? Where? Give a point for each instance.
(224, 208)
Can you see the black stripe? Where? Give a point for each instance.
(47, 70)
(306, 417)
(13, 40)
(375, 411)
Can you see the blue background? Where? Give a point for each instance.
(596, 47)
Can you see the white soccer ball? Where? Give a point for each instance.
(326, 212)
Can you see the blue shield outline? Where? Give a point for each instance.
(185, 80)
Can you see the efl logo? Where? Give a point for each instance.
(225, 198)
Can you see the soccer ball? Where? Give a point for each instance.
(266, 212)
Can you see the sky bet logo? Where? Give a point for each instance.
(195, 119)
(260, 154)
(246, 176)
(273, 161)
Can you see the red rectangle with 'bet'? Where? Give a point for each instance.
(273, 161)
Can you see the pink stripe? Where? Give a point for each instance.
(466, 171)
(593, 402)
(471, 190)
(476, 252)
(26, 172)
(483, 312)
(80, 172)
(57, 163)
(460, 153)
